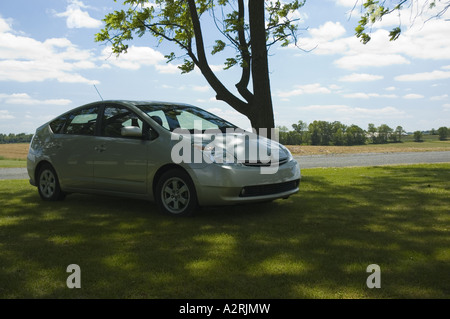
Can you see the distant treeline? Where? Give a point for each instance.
(316, 133)
(336, 133)
(15, 138)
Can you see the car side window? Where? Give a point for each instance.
(57, 124)
(81, 122)
(160, 118)
(115, 118)
(189, 121)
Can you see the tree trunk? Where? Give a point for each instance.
(258, 106)
(261, 109)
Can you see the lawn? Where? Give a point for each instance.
(316, 244)
(9, 163)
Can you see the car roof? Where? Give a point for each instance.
(132, 103)
(136, 102)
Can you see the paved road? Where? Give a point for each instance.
(372, 159)
(13, 173)
(312, 161)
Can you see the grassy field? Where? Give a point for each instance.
(14, 151)
(13, 155)
(317, 244)
(430, 143)
(6, 163)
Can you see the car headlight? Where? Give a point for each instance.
(286, 150)
(216, 155)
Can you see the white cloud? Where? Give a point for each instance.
(348, 3)
(377, 113)
(439, 97)
(315, 88)
(424, 76)
(360, 77)
(345, 112)
(25, 59)
(167, 68)
(5, 115)
(328, 31)
(426, 41)
(368, 95)
(25, 99)
(413, 96)
(352, 62)
(4, 26)
(137, 57)
(217, 68)
(335, 87)
(337, 108)
(198, 88)
(77, 18)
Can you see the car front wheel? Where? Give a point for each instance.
(175, 193)
(48, 184)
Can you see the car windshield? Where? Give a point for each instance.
(190, 118)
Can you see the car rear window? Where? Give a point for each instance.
(81, 122)
(58, 124)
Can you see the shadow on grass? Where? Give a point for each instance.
(317, 244)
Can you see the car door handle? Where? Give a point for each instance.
(100, 148)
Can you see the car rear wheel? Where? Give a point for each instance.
(48, 184)
(175, 193)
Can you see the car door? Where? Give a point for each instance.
(73, 147)
(120, 162)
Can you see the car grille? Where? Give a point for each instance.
(261, 164)
(269, 189)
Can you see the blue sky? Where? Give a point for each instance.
(49, 63)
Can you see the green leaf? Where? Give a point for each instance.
(170, 57)
(229, 63)
(218, 47)
(187, 66)
(394, 34)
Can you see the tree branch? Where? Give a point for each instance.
(152, 28)
(242, 86)
(222, 92)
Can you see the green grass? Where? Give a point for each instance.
(425, 138)
(10, 163)
(428, 141)
(317, 244)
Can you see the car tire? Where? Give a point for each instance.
(48, 184)
(175, 193)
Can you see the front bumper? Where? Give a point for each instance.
(227, 185)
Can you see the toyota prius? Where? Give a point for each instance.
(178, 155)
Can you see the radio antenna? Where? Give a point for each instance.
(98, 92)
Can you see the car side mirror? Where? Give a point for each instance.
(131, 131)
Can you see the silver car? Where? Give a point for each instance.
(178, 155)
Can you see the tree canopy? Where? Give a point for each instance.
(375, 10)
(249, 27)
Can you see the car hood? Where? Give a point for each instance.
(246, 147)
